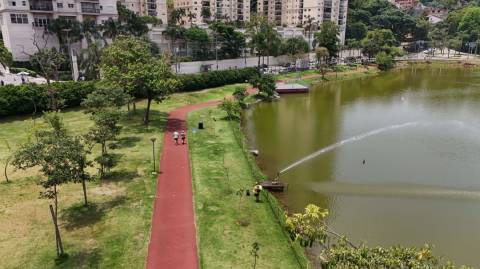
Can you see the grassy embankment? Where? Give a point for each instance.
(228, 224)
(113, 232)
(310, 77)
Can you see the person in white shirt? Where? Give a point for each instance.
(175, 137)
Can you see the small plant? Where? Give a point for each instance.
(254, 253)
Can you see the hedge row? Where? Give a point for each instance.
(22, 99)
(213, 79)
(15, 100)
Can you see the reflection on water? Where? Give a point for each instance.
(420, 182)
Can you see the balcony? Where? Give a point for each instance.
(41, 6)
(91, 10)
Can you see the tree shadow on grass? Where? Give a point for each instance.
(78, 215)
(158, 120)
(120, 175)
(126, 142)
(84, 259)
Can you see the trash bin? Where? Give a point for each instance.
(200, 125)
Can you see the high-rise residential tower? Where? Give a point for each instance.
(297, 13)
(198, 12)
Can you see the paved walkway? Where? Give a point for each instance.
(173, 240)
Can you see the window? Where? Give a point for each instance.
(40, 22)
(12, 3)
(70, 5)
(60, 5)
(19, 18)
(24, 3)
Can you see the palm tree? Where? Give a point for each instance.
(90, 60)
(111, 29)
(90, 30)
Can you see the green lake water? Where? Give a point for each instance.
(418, 131)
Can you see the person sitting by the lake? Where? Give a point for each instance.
(256, 191)
(175, 137)
(182, 135)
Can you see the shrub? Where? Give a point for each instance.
(212, 79)
(384, 61)
(23, 99)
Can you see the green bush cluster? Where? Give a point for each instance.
(23, 99)
(213, 79)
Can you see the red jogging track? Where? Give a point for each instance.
(173, 242)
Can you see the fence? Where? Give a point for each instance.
(277, 209)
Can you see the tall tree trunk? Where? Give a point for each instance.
(57, 233)
(56, 200)
(147, 111)
(5, 169)
(84, 192)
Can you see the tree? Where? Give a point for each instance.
(254, 253)
(231, 41)
(5, 55)
(49, 60)
(232, 108)
(90, 60)
(206, 13)
(131, 23)
(265, 85)
(469, 24)
(105, 129)
(61, 159)
(110, 29)
(322, 54)
(103, 104)
(310, 26)
(308, 227)
(337, 252)
(264, 39)
(90, 30)
(199, 42)
(129, 64)
(356, 30)
(377, 41)
(176, 16)
(328, 38)
(67, 31)
(295, 47)
(8, 158)
(384, 61)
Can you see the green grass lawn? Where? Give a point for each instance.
(227, 226)
(113, 232)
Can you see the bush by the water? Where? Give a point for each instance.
(384, 61)
(23, 99)
(213, 79)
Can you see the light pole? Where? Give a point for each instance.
(153, 139)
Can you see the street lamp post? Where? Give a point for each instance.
(153, 139)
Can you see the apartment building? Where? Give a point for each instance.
(291, 13)
(233, 10)
(154, 8)
(23, 21)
